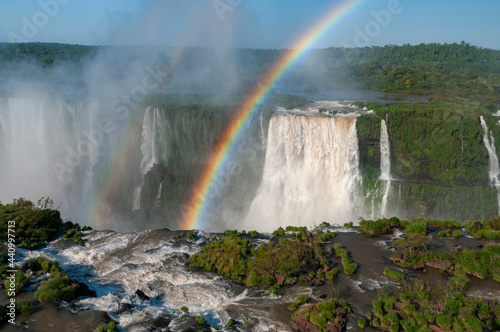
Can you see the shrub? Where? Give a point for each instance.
(350, 267)
(20, 281)
(58, 289)
(394, 222)
(416, 227)
(279, 232)
(230, 323)
(298, 301)
(456, 234)
(184, 309)
(430, 316)
(380, 226)
(393, 274)
(409, 309)
(473, 324)
(361, 322)
(348, 224)
(445, 322)
(111, 327)
(331, 274)
(24, 308)
(200, 320)
(246, 325)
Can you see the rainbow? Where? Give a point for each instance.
(198, 202)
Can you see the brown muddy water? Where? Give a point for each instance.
(117, 265)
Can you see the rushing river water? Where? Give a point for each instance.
(117, 265)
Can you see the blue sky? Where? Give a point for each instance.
(245, 23)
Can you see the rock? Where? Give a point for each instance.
(333, 327)
(123, 308)
(300, 324)
(436, 328)
(399, 305)
(444, 264)
(318, 282)
(140, 294)
(308, 277)
(419, 266)
(280, 279)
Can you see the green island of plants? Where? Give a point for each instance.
(323, 316)
(35, 224)
(295, 255)
(422, 307)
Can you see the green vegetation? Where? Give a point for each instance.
(110, 327)
(184, 309)
(393, 274)
(200, 320)
(489, 229)
(459, 311)
(60, 287)
(374, 227)
(24, 308)
(298, 302)
(35, 224)
(361, 322)
(272, 264)
(323, 312)
(246, 325)
(439, 179)
(349, 266)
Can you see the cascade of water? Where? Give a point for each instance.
(385, 165)
(53, 148)
(154, 146)
(262, 137)
(311, 173)
(494, 167)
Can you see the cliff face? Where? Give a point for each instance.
(439, 161)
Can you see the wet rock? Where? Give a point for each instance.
(140, 294)
(123, 308)
(323, 296)
(187, 323)
(30, 266)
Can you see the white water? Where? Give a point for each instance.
(385, 165)
(154, 143)
(53, 148)
(311, 173)
(116, 265)
(494, 167)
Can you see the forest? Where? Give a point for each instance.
(437, 71)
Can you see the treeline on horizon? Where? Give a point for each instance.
(437, 71)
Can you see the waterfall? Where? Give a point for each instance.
(154, 145)
(494, 167)
(262, 137)
(311, 173)
(385, 165)
(59, 149)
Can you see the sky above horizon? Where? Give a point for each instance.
(248, 23)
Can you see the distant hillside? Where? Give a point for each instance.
(446, 71)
